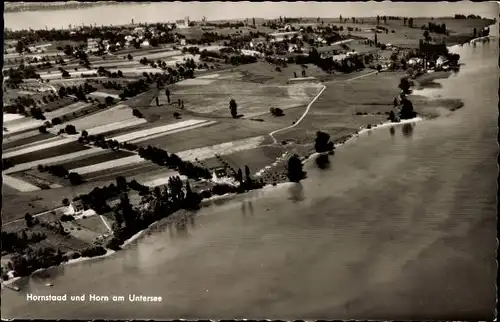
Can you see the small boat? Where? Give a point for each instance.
(49, 284)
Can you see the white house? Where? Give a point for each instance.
(75, 207)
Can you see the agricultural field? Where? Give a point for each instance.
(210, 95)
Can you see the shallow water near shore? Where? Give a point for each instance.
(402, 225)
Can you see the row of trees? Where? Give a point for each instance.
(17, 75)
(163, 158)
(163, 202)
(19, 241)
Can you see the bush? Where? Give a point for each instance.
(137, 113)
(56, 121)
(42, 129)
(276, 111)
(114, 244)
(65, 218)
(177, 115)
(75, 178)
(70, 129)
(93, 251)
(109, 100)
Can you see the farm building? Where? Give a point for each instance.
(280, 36)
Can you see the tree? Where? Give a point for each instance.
(65, 202)
(233, 107)
(323, 143)
(239, 176)
(378, 19)
(62, 92)
(276, 111)
(29, 220)
(85, 133)
(295, 173)
(247, 173)
(130, 57)
(407, 111)
(121, 183)
(167, 93)
(426, 35)
(70, 129)
(75, 178)
(42, 129)
(404, 85)
(56, 121)
(137, 113)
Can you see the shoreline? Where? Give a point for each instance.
(279, 183)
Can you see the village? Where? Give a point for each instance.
(107, 130)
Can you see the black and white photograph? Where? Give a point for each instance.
(250, 160)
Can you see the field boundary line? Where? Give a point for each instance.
(300, 119)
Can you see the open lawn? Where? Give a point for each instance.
(107, 165)
(155, 131)
(37, 146)
(44, 142)
(220, 132)
(55, 160)
(137, 171)
(93, 223)
(18, 184)
(252, 99)
(114, 114)
(255, 159)
(105, 156)
(173, 131)
(7, 117)
(73, 108)
(25, 124)
(44, 153)
(263, 72)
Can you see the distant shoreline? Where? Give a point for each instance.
(40, 6)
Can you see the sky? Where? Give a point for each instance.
(171, 11)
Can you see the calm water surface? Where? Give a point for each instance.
(402, 226)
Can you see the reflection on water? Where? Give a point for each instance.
(323, 161)
(296, 191)
(392, 130)
(407, 129)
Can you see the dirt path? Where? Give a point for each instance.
(309, 107)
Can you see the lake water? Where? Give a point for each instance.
(402, 226)
(121, 14)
